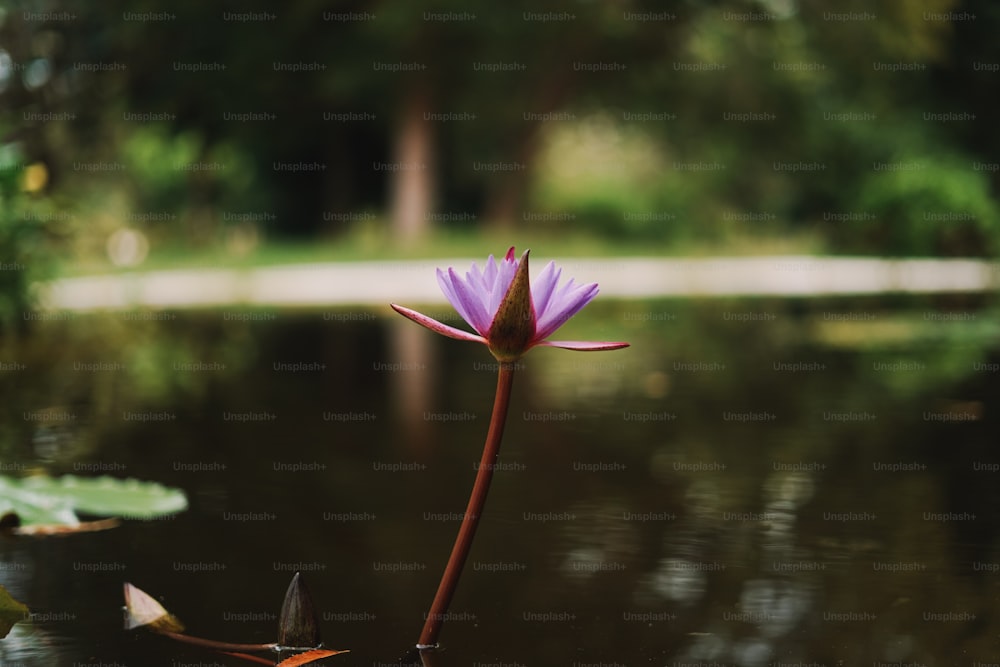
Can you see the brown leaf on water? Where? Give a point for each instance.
(142, 610)
(307, 657)
(44, 530)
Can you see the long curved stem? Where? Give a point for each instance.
(217, 645)
(463, 543)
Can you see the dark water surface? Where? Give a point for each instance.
(754, 482)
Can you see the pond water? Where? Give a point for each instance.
(753, 482)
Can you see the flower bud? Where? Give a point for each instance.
(298, 625)
(512, 331)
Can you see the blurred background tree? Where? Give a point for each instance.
(866, 128)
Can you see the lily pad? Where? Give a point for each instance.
(11, 611)
(40, 500)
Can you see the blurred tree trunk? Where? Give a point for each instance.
(412, 183)
(507, 198)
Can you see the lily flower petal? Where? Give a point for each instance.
(564, 304)
(434, 325)
(465, 300)
(542, 290)
(583, 345)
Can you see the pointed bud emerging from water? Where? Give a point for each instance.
(299, 624)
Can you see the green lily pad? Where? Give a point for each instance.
(42, 500)
(11, 611)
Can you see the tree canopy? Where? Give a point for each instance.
(868, 124)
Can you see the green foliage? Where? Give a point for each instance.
(929, 205)
(11, 612)
(521, 98)
(12, 230)
(174, 178)
(152, 155)
(21, 238)
(596, 174)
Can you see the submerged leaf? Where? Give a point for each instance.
(307, 657)
(11, 611)
(54, 502)
(142, 610)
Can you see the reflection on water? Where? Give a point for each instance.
(751, 483)
(28, 645)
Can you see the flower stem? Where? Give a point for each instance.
(477, 500)
(217, 645)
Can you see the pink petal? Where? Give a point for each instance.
(583, 346)
(438, 327)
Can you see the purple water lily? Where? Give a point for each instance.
(509, 314)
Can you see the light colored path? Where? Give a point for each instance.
(414, 282)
